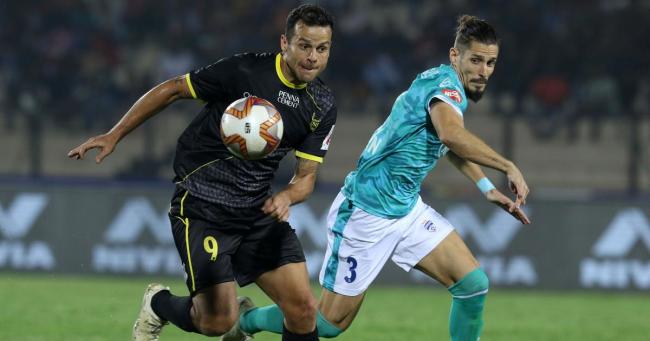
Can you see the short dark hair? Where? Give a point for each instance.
(311, 15)
(471, 28)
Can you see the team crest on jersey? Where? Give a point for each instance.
(453, 94)
(429, 226)
(315, 121)
(328, 139)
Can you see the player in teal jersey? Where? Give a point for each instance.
(394, 163)
(379, 213)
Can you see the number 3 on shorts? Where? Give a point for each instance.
(353, 267)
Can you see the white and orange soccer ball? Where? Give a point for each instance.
(251, 128)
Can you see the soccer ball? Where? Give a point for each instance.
(251, 128)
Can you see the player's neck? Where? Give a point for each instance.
(459, 74)
(287, 73)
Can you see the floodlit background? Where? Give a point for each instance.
(569, 102)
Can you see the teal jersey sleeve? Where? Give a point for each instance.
(443, 84)
(404, 148)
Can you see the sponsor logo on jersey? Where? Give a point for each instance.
(288, 99)
(328, 139)
(446, 83)
(442, 151)
(453, 94)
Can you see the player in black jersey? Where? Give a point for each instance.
(227, 225)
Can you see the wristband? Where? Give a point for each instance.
(485, 185)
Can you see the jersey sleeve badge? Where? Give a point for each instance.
(453, 95)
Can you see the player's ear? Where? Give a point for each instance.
(453, 55)
(284, 43)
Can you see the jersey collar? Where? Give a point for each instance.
(285, 81)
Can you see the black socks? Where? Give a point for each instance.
(174, 309)
(289, 336)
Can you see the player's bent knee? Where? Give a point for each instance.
(474, 283)
(300, 310)
(216, 325)
(482, 280)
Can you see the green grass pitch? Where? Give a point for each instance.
(55, 307)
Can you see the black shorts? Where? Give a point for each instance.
(220, 244)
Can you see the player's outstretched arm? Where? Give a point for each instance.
(148, 105)
(473, 172)
(299, 189)
(451, 130)
(499, 199)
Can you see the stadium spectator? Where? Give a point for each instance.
(59, 47)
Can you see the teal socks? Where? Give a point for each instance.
(325, 328)
(271, 319)
(466, 316)
(267, 318)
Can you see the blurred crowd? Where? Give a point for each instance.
(80, 64)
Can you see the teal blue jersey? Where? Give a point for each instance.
(405, 148)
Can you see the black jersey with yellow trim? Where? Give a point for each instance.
(204, 166)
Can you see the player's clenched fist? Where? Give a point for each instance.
(277, 206)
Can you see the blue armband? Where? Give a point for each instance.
(485, 185)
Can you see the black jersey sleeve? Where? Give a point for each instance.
(211, 83)
(315, 145)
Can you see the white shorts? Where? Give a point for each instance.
(359, 243)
